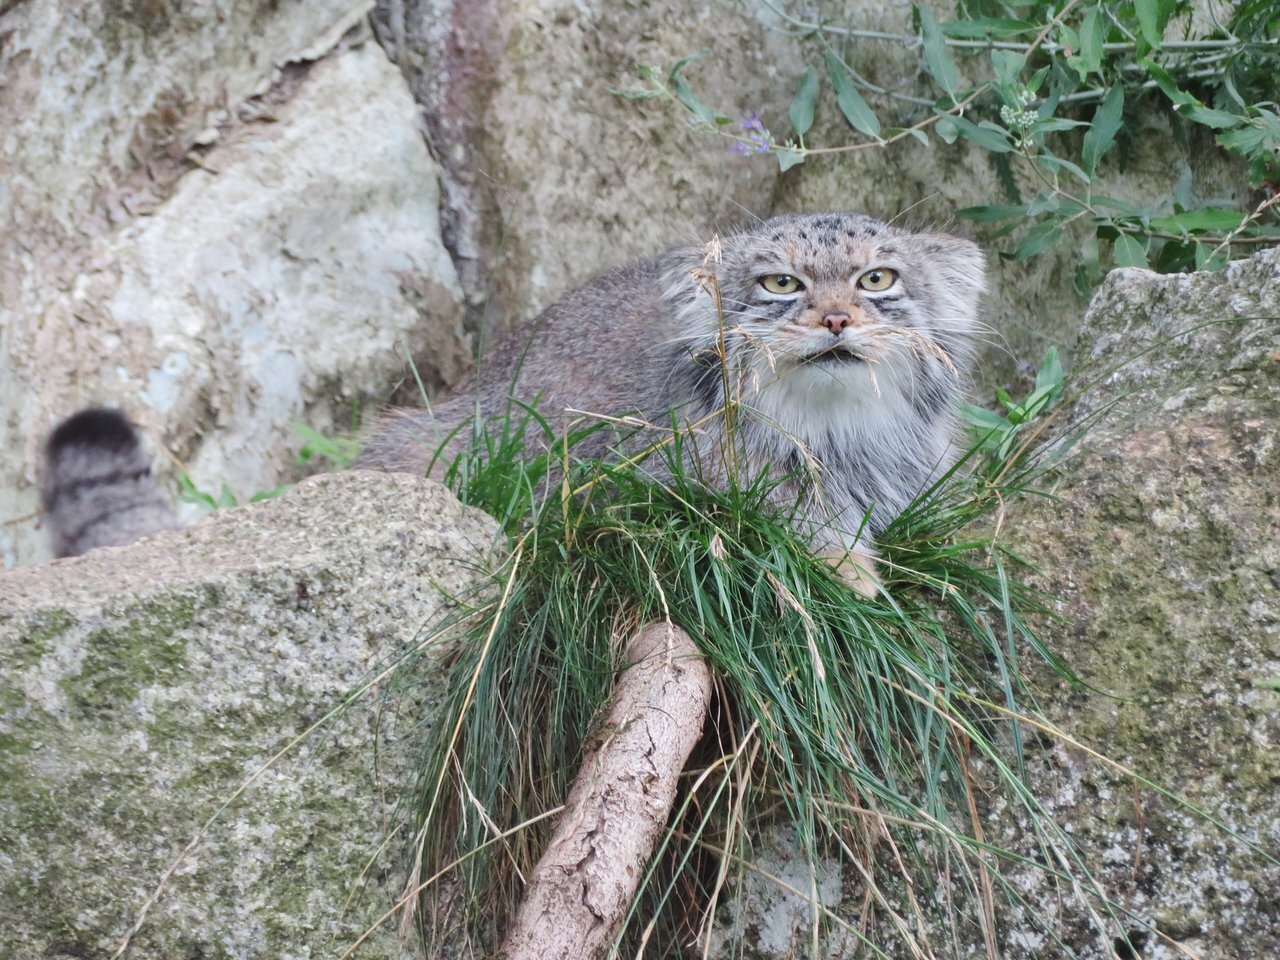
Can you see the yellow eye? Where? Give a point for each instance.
(781, 283)
(881, 278)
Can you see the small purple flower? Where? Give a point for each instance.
(758, 139)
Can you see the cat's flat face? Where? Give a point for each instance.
(831, 311)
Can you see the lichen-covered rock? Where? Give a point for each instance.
(1161, 552)
(1164, 550)
(190, 686)
(233, 227)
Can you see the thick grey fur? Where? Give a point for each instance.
(860, 432)
(97, 486)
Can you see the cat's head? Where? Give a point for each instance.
(841, 302)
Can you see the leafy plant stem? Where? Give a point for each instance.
(1228, 44)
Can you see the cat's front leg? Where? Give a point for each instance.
(855, 566)
(846, 547)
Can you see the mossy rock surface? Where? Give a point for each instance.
(141, 689)
(1164, 553)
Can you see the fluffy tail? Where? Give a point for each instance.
(98, 490)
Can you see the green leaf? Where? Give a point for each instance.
(986, 135)
(1038, 401)
(947, 129)
(1129, 252)
(849, 101)
(1102, 132)
(1150, 21)
(271, 494)
(802, 106)
(1037, 78)
(1207, 259)
(1245, 140)
(1229, 86)
(695, 106)
(991, 213)
(1008, 66)
(1259, 143)
(937, 57)
(1068, 37)
(1043, 203)
(983, 418)
(1093, 33)
(1206, 219)
(1054, 124)
(682, 63)
(340, 451)
(788, 159)
(188, 492)
(1049, 376)
(1209, 117)
(635, 94)
(226, 498)
(684, 93)
(1119, 206)
(1167, 84)
(1054, 162)
(1038, 239)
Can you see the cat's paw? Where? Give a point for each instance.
(857, 569)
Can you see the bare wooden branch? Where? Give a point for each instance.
(578, 894)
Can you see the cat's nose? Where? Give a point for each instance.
(836, 322)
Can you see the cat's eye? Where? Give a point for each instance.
(781, 283)
(881, 278)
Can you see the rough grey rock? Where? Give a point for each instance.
(1165, 553)
(549, 177)
(142, 687)
(248, 235)
(1161, 550)
(236, 226)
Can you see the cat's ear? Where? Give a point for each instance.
(959, 266)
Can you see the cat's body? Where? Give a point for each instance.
(843, 343)
(846, 345)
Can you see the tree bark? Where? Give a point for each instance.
(578, 894)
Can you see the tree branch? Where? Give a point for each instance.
(581, 889)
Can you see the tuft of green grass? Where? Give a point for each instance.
(861, 725)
